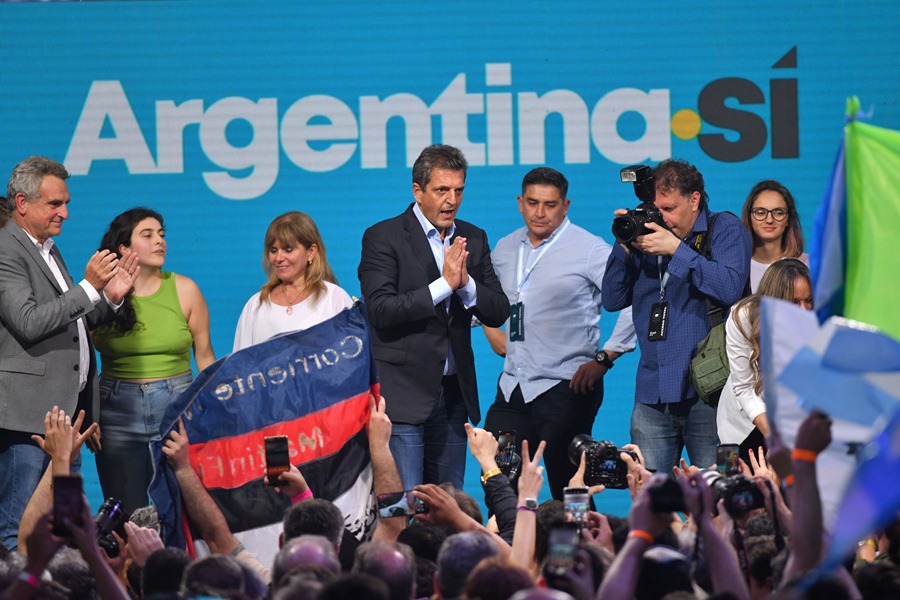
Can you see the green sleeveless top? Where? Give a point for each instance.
(158, 346)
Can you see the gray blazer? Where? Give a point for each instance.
(39, 353)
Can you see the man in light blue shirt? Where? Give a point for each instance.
(551, 271)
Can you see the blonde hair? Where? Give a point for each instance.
(777, 282)
(290, 229)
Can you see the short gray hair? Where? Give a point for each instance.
(27, 175)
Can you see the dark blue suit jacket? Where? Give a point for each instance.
(410, 333)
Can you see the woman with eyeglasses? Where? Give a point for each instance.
(770, 215)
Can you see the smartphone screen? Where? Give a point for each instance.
(577, 503)
(68, 502)
(400, 504)
(727, 459)
(277, 457)
(506, 448)
(561, 547)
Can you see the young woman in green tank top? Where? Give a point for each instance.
(145, 356)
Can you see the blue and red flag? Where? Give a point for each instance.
(312, 386)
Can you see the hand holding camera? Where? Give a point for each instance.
(603, 462)
(644, 227)
(643, 516)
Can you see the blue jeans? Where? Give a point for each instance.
(663, 430)
(130, 417)
(21, 469)
(434, 451)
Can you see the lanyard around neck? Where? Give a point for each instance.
(521, 274)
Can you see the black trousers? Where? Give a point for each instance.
(556, 416)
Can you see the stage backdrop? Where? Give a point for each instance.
(222, 115)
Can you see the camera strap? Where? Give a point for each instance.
(701, 245)
(663, 277)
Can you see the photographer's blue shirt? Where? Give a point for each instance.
(634, 280)
(559, 284)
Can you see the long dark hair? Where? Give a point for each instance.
(119, 234)
(792, 237)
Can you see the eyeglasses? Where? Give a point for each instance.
(761, 214)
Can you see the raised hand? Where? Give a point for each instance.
(454, 271)
(101, 268)
(177, 448)
(123, 279)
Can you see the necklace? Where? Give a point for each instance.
(290, 305)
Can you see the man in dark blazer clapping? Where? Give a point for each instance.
(423, 275)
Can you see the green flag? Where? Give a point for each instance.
(873, 226)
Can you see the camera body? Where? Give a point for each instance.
(110, 517)
(603, 466)
(666, 496)
(739, 493)
(633, 224)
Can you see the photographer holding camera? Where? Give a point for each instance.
(657, 269)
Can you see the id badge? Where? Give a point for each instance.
(517, 322)
(659, 322)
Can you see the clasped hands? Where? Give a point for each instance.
(454, 272)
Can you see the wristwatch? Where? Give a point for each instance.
(529, 504)
(603, 358)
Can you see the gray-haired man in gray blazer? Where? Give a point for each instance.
(46, 355)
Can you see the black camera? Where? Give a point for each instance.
(111, 517)
(666, 496)
(603, 466)
(739, 493)
(626, 228)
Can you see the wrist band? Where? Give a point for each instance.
(803, 455)
(528, 508)
(29, 578)
(489, 474)
(639, 533)
(302, 496)
(789, 480)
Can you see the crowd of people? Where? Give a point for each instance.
(427, 279)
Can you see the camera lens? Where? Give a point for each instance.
(624, 228)
(577, 447)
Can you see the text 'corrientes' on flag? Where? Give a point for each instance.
(313, 387)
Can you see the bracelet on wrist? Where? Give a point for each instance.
(30, 578)
(489, 474)
(803, 455)
(641, 534)
(789, 480)
(302, 496)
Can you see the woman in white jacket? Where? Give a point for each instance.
(741, 415)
